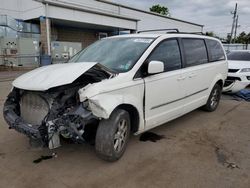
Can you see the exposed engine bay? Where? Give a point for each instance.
(47, 115)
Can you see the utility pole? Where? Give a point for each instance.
(236, 27)
(47, 28)
(234, 19)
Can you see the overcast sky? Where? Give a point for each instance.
(214, 14)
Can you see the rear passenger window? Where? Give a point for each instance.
(195, 52)
(215, 50)
(169, 53)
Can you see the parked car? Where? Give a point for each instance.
(238, 71)
(118, 86)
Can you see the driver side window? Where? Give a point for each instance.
(169, 53)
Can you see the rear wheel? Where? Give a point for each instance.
(112, 136)
(214, 99)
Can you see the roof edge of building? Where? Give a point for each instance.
(58, 3)
(148, 12)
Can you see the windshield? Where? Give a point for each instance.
(240, 56)
(117, 54)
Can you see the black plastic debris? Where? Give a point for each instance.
(232, 165)
(150, 136)
(45, 157)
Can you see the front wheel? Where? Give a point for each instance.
(214, 99)
(112, 136)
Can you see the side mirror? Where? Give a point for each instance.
(155, 67)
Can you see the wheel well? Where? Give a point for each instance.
(134, 115)
(220, 82)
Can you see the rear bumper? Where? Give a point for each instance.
(11, 116)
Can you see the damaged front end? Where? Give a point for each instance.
(45, 115)
(234, 84)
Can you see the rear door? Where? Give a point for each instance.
(163, 91)
(199, 73)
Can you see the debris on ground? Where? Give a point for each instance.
(223, 159)
(45, 157)
(150, 136)
(232, 166)
(242, 95)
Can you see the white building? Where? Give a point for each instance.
(86, 21)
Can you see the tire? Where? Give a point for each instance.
(214, 99)
(112, 136)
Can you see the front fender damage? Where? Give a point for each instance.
(100, 103)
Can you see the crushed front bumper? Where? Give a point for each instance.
(72, 122)
(11, 114)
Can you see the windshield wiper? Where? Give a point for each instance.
(112, 73)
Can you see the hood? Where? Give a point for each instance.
(50, 76)
(238, 64)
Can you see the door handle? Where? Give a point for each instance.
(181, 78)
(192, 75)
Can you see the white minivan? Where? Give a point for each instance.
(117, 86)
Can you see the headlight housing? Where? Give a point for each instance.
(245, 70)
(85, 104)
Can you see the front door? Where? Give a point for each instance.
(164, 91)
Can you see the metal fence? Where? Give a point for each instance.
(24, 60)
(229, 47)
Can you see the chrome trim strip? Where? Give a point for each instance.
(160, 105)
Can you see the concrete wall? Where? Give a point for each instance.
(71, 14)
(22, 9)
(10, 7)
(68, 10)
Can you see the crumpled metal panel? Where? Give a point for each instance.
(33, 108)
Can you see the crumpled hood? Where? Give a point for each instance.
(50, 76)
(238, 64)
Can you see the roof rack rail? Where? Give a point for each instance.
(197, 33)
(176, 30)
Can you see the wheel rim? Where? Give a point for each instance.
(215, 98)
(120, 135)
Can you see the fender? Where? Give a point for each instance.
(216, 79)
(103, 103)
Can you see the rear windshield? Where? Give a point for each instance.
(240, 56)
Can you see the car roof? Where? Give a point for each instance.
(170, 35)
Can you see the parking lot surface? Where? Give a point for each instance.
(200, 149)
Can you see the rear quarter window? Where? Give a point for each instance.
(195, 51)
(215, 50)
